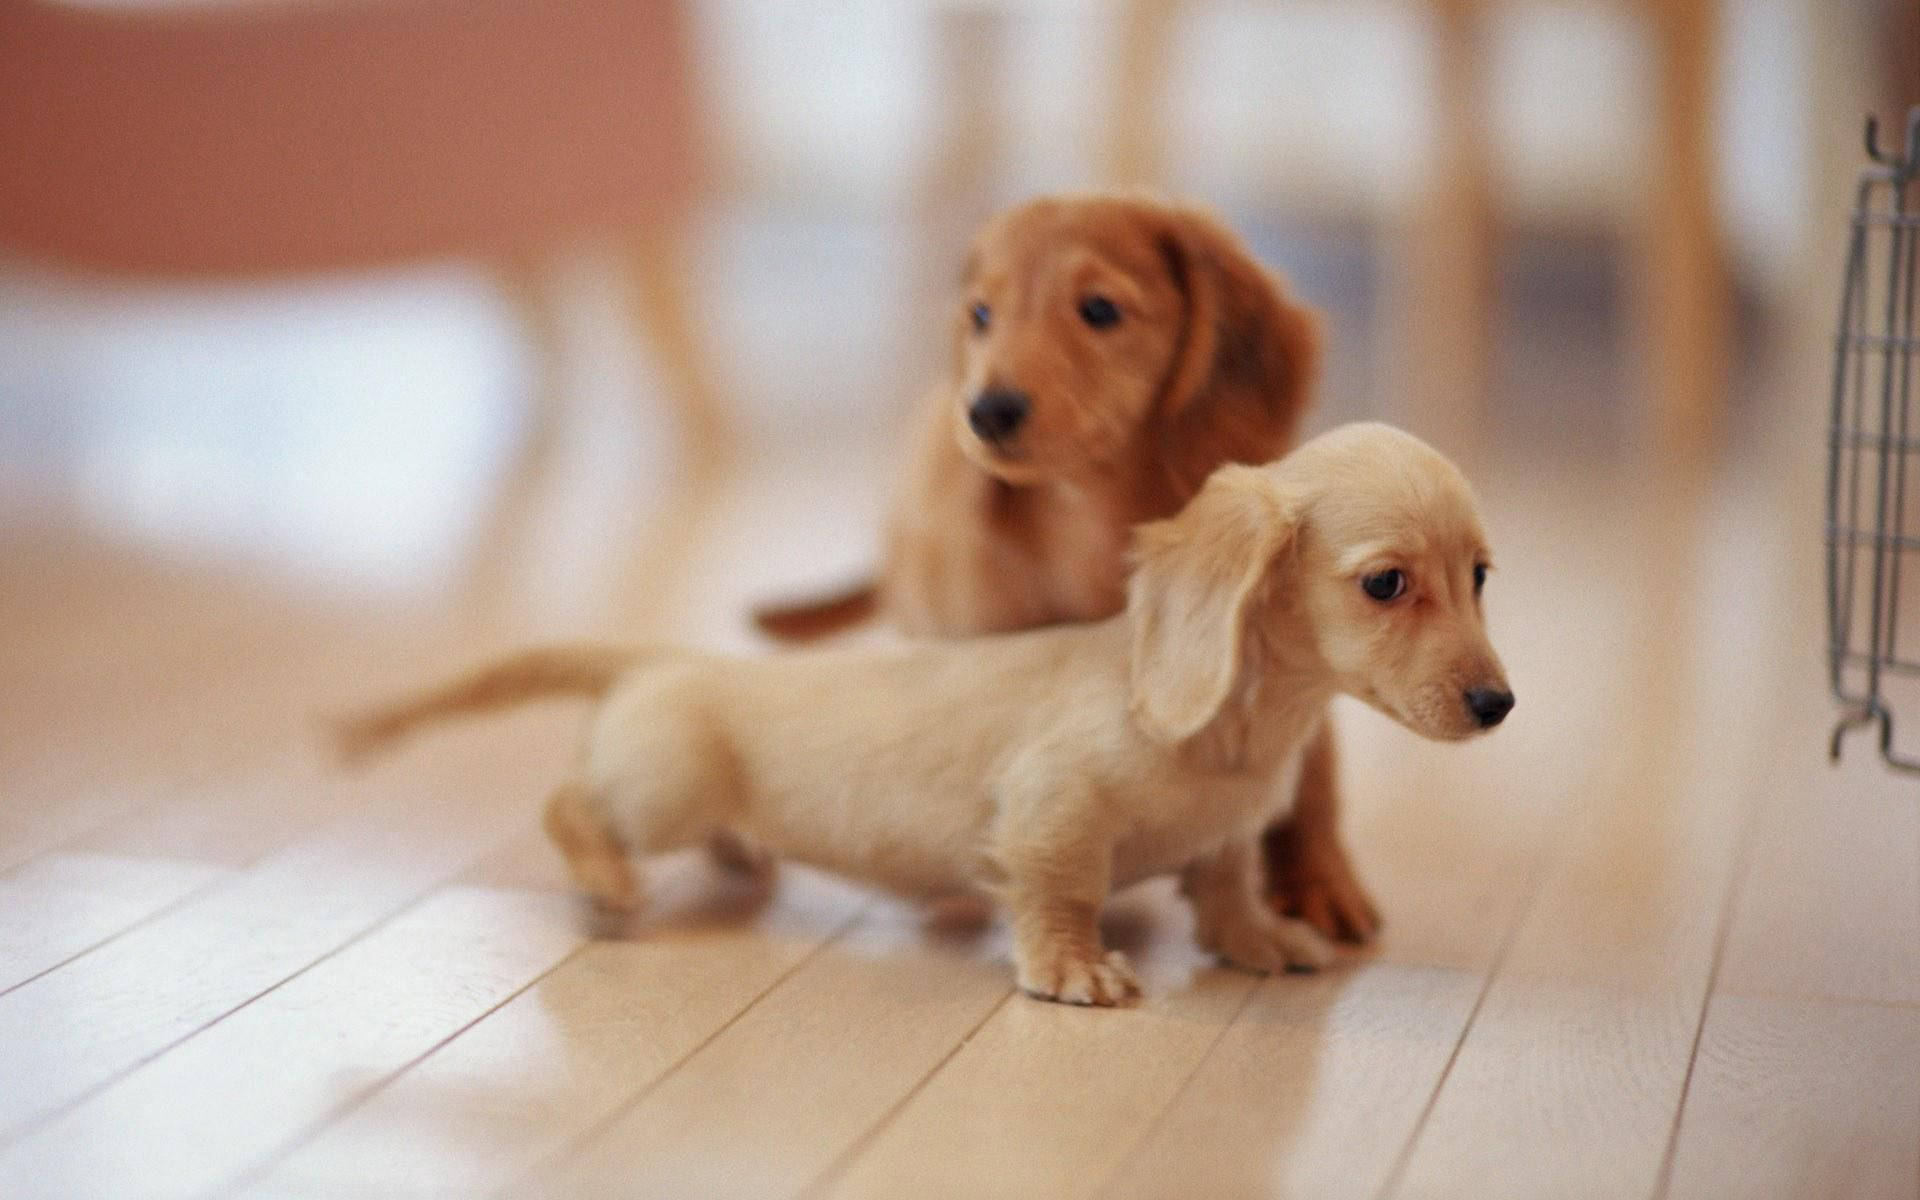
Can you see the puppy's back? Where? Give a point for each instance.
(876, 762)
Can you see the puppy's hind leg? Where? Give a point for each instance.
(1232, 923)
(594, 853)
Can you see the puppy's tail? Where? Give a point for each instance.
(582, 670)
(809, 619)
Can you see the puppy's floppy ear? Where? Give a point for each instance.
(1249, 356)
(1193, 579)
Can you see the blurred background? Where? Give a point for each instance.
(443, 302)
(344, 341)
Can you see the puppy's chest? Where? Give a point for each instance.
(1078, 563)
(1087, 586)
(1196, 819)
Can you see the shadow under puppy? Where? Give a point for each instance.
(1047, 768)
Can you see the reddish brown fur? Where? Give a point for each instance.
(1211, 362)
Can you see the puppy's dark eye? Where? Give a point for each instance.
(1479, 577)
(1099, 312)
(981, 315)
(1385, 585)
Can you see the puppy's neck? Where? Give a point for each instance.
(1138, 487)
(1279, 697)
(1074, 527)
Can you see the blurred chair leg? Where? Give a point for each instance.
(1135, 136)
(1448, 290)
(706, 430)
(1839, 50)
(955, 194)
(706, 435)
(1684, 313)
(504, 533)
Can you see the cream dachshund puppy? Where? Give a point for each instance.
(1045, 769)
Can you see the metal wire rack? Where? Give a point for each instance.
(1873, 456)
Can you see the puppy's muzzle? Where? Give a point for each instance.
(1489, 706)
(998, 413)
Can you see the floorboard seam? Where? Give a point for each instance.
(221, 877)
(1760, 812)
(1160, 1118)
(552, 1161)
(252, 1175)
(29, 1127)
(1729, 906)
(227, 874)
(1405, 1158)
(847, 1157)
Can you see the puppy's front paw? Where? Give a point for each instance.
(610, 884)
(1079, 979)
(1318, 885)
(737, 854)
(1270, 944)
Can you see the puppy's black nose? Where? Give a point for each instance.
(997, 413)
(1489, 706)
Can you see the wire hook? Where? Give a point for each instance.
(1903, 158)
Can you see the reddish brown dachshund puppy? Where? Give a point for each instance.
(1109, 353)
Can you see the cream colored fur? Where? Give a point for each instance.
(1045, 769)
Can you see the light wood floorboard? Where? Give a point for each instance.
(1643, 940)
(202, 1115)
(79, 1027)
(1802, 1098)
(790, 1078)
(557, 1062)
(1045, 1100)
(60, 906)
(1569, 1077)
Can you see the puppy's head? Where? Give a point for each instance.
(1358, 560)
(1090, 326)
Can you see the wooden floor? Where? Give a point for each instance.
(1643, 942)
